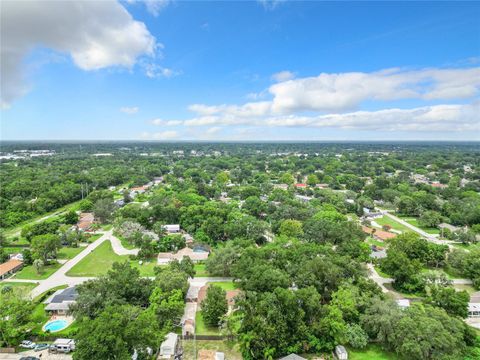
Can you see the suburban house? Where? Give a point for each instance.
(474, 305)
(169, 347)
(59, 303)
(403, 303)
(10, 267)
(210, 355)
(303, 198)
(86, 221)
(194, 255)
(188, 328)
(292, 357)
(321, 186)
(341, 353)
(438, 185)
(280, 186)
(378, 234)
(172, 229)
(300, 185)
(450, 227)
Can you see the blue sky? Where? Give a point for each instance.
(162, 70)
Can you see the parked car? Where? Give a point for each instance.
(40, 347)
(27, 344)
(29, 358)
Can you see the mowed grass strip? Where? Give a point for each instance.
(68, 253)
(201, 328)
(385, 220)
(101, 259)
(371, 352)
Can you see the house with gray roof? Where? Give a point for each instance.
(59, 303)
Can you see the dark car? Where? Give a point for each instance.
(29, 358)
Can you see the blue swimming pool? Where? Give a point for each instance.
(55, 325)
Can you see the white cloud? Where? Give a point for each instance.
(213, 130)
(283, 76)
(129, 110)
(161, 122)
(154, 7)
(158, 71)
(340, 92)
(270, 4)
(347, 91)
(455, 118)
(96, 34)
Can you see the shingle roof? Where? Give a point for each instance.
(9, 265)
(292, 357)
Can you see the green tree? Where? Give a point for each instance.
(38, 265)
(291, 228)
(453, 302)
(103, 210)
(214, 306)
(16, 318)
(45, 247)
(71, 217)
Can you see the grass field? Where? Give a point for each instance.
(385, 220)
(28, 272)
(101, 259)
(200, 270)
(225, 285)
(231, 350)
(94, 237)
(69, 252)
(371, 352)
(414, 221)
(201, 328)
(125, 243)
(372, 241)
(21, 287)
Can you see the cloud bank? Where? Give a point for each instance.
(96, 34)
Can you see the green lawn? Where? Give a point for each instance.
(107, 227)
(371, 352)
(200, 270)
(225, 285)
(372, 241)
(68, 253)
(94, 237)
(21, 287)
(414, 221)
(231, 350)
(381, 273)
(125, 243)
(13, 250)
(28, 272)
(101, 259)
(201, 328)
(385, 220)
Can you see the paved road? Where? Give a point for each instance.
(426, 235)
(381, 281)
(119, 249)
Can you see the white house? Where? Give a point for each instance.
(474, 305)
(169, 346)
(172, 229)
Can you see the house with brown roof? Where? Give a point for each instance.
(86, 221)
(378, 234)
(10, 267)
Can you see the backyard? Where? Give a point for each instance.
(201, 328)
(68, 253)
(371, 352)
(231, 351)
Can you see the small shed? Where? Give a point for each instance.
(341, 353)
(292, 357)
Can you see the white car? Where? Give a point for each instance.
(27, 344)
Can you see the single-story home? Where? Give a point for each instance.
(292, 357)
(341, 353)
(300, 185)
(303, 198)
(169, 347)
(378, 234)
(85, 222)
(59, 303)
(195, 256)
(280, 186)
(474, 305)
(403, 303)
(10, 267)
(172, 229)
(450, 227)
